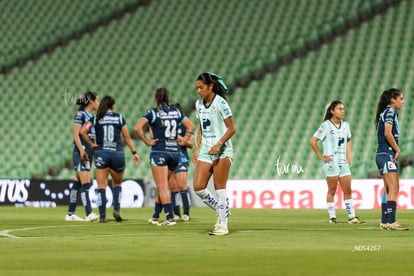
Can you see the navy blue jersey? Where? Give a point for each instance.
(183, 149)
(164, 124)
(108, 131)
(80, 118)
(388, 116)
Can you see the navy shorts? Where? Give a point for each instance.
(160, 159)
(114, 160)
(79, 165)
(385, 164)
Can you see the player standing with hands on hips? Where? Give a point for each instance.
(335, 135)
(163, 121)
(109, 154)
(213, 151)
(388, 152)
(82, 158)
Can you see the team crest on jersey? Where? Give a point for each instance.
(213, 110)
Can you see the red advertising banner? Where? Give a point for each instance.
(311, 194)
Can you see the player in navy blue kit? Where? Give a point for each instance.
(82, 158)
(388, 152)
(164, 121)
(109, 154)
(178, 181)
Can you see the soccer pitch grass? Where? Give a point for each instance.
(261, 242)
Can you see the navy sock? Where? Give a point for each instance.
(185, 196)
(73, 196)
(391, 211)
(176, 208)
(117, 197)
(85, 197)
(384, 216)
(168, 211)
(157, 210)
(102, 202)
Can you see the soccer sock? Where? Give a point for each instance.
(157, 210)
(185, 197)
(73, 195)
(207, 198)
(117, 190)
(384, 215)
(176, 208)
(168, 211)
(349, 205)
(331, 209)
(85, 198)
(223, 207)
(391, 211)
(102, 202)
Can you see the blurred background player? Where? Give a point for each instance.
(109, 154)
(82, 158)
(163, 121)
(213, 153)
(388, 152)
(178, 180)
(335, 135)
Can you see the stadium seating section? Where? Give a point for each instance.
(285, 61)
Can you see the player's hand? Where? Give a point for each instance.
(195, 156)
(84, 157)
(396, 156)
(136, 159)
(151, 142)
(326, 158)
(214, 149)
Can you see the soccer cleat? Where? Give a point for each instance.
(177, 217)
(73, 217)
(117, 216)
(355, 220)
(167, 223)
(153, 221)
(92, 217)
(384, 226)
(396, 226)
(219, 231)
(185, 218)
(102, 220)
(332, 221)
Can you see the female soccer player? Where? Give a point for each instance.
(213, 152)
(82, 158)
(335, 135)
(178, 181)
(109, 154)
(164, 121)
(388, 152)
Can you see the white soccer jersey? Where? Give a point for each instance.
(212, 120)
(334, 140)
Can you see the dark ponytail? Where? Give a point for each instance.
(331, 107)
(162, 96)
(86, 99)
(385, 100)
(106, 103)
(219, 87)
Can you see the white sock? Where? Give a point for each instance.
(331, 209)
(208, 198)
(349, 205)
(223, 207)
